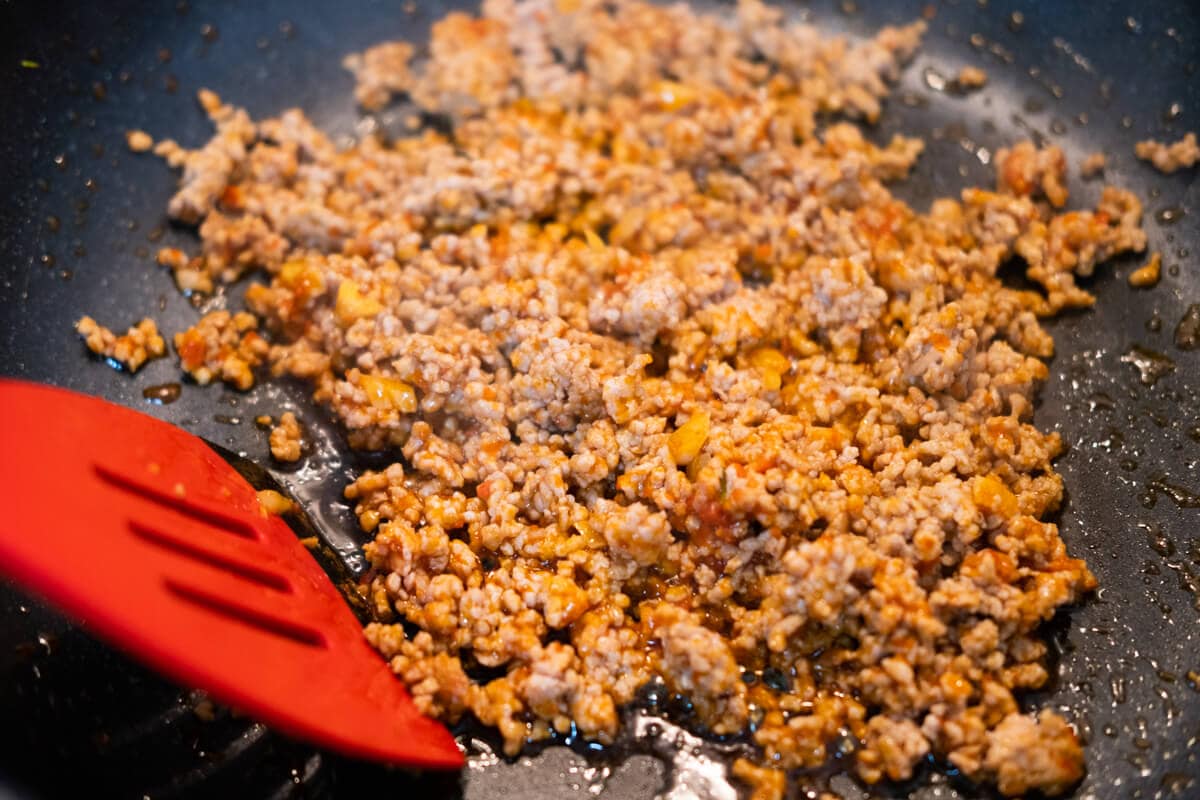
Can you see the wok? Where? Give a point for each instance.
(80, 219)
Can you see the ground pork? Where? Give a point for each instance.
(130, 351)
(1026, 752)
(971, 78)
(1168, 158)
(674, 388)
(222, 346)
(1093, 165)
(138, 141)
(286, 438)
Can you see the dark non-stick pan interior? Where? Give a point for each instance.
(80, 220)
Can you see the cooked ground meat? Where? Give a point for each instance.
(286, 438)
(1167, 158)
(1148, 274)
(765, 783)
(971, 78)
(1093, 165)
(206, 172)
(1028, 753)
(138, 141)
(676, 388)
(138, 345)
(380, 72)
(222, 346)
(190, 275)
(272, 502)
(1024, 170)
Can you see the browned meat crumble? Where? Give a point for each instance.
(286, 439)
(1168, 158)
(138, 141)
(1148, 274)
(971, 78)
(677, 390)
(138, 345)
(1093, 165)
(222, 346)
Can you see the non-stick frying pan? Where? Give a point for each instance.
(80, 219)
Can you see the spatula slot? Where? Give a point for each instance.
(270, 580)
(235, 612)
(202, 513)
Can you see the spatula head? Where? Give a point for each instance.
(139, 530)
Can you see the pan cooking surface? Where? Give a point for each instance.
(81, 217)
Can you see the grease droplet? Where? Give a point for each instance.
(1176, 783)
(1182, 497)
(1117, 684)
(163, 393)
(934, 79)
(1159, 541)
(1150, 364)
(1171, 215)
(1187, 332)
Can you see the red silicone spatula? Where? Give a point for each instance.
(156, 544)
